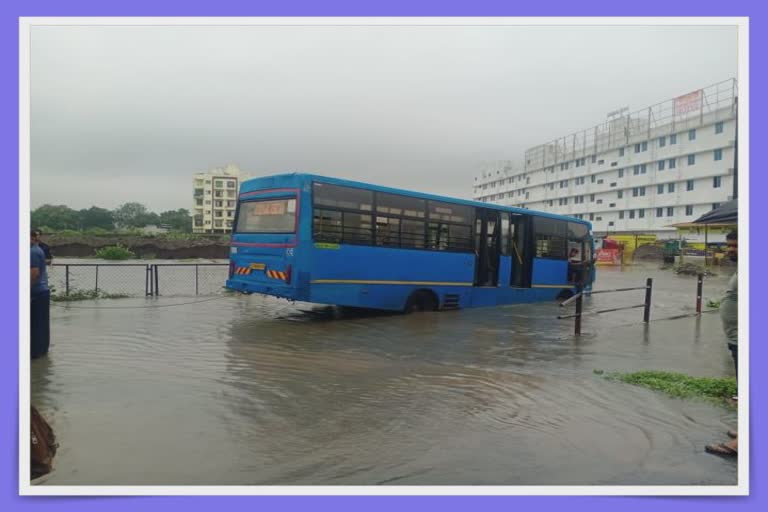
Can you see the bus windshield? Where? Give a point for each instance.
(267, 216)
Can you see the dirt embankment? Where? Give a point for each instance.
(143, 246)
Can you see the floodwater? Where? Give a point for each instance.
(251, 390)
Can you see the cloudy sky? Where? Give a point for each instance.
(130, 113)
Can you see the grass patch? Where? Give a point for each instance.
(679, 385)
(76, 294)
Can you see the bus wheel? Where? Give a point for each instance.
(421, 300)
(565, 294)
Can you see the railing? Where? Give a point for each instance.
(137, 279)
(579, 297)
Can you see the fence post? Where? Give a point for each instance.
(577, 328)
(148, 281)
(66, 280)
(157, 287)
(699, 281)
(647, 308)
(97, 280)
(197, 267)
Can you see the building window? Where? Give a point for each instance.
(659, 189)
(591, 198)
(662, 141)
(692, 134)
(689, 185)
(715, 205)
(592, 178)
(621, 173)
(689, 210)
(631, 214)
(636, 170)
(610, 223)
(660, 165)
(637, 148)
(670, 188)
(621, 151)
(719, 127)
(611, 205)
(718, 154)
(670, 211)
(644, 146)
(550, 202)
(643, 168)
(594, 158)
(673, 139)
(621, 214)
(635, 192)
(716, 181)
(641, 214)
(672, 163)
(620, 194)
(551, 186)
(691, 159)
(659, 212)
(599, 201)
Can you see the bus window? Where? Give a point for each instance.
(459, 237)
(437, 236)
(269, 216)
(447, 212)
(549, 238)
(401, 206)
(327, 225)
(356, 229)
(412, 234)
(505, 232)
(388, 231)
(342, 197)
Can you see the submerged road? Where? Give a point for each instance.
(252, 390)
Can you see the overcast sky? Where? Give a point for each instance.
(130, 113)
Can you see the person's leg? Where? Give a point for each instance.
(35, 331)
(45, 322)
(734, 348)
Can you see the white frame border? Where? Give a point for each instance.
(25, 487)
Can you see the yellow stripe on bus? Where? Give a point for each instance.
(353, 281)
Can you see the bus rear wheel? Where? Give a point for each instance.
(421, 300)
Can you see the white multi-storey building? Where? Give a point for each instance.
(215, 199)
(638, 172)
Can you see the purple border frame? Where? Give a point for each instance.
(10, 10)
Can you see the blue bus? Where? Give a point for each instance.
(331, 241)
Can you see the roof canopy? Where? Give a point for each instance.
(725, 214)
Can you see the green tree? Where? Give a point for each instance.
(95, 217)
(178, 220)
(130, 215)
(56, 217)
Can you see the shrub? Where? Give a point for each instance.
(115, 252)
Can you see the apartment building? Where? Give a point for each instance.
(214, 199)
(638, 172)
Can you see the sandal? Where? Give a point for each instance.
(721, 449)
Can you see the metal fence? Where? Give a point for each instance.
(136, 279)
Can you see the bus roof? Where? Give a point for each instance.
(420, 195)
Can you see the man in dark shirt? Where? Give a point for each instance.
(39, 312)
